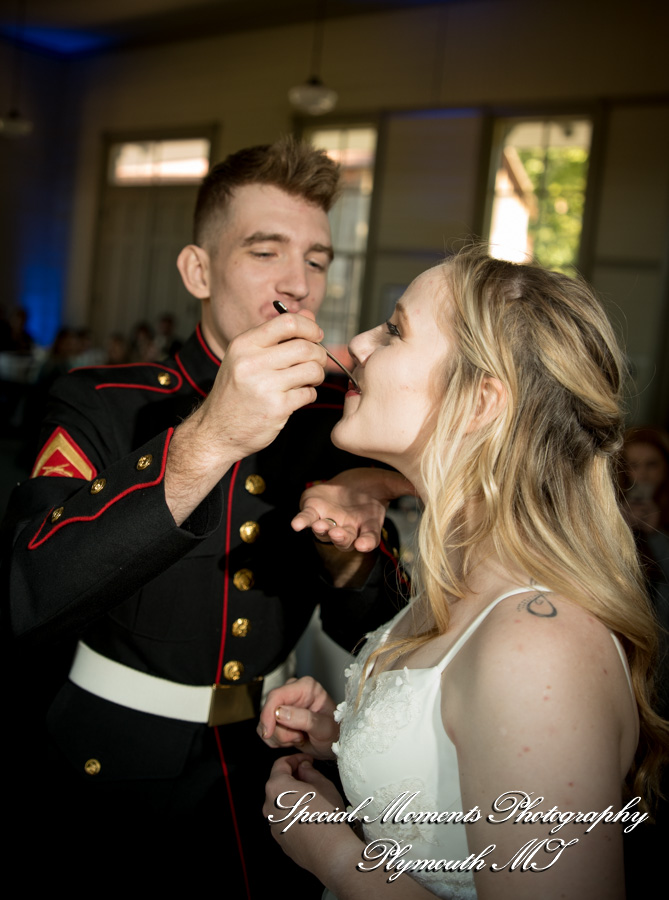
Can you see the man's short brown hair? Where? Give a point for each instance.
(293, 166)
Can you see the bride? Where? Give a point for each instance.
(509, 703)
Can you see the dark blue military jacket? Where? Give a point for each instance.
(97, 553)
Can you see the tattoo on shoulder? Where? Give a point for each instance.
(539, 605)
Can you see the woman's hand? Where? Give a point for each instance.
(300, 714)
(329, 850)
(295, 787)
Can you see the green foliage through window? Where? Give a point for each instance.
(540, 182)
(558, 175)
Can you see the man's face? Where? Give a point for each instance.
(272, 246)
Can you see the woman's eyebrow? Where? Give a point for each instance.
(401, 313)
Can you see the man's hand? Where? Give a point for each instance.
(356, 500)
(300, 714)
(268, 372)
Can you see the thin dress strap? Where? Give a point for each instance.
(469, 631)
(625, 662)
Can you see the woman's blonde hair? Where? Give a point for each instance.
(542, 470)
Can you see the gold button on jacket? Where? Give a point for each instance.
(243, 580)
(233, 670)
(164, 379)
(57, 513)
(92, 767)
(255, 484)
(241, 627)
(249, 532)
(144, 462)
(98, 485)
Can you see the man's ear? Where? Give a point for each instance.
(193, 266)
(491, 402)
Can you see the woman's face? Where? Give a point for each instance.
(645, 464)
(399, 366)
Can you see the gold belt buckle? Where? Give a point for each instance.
(232, 703)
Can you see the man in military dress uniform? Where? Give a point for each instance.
(156, 528)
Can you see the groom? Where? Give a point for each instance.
(156, 529)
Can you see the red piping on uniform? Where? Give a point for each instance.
(398, 570)
(34, 543)
(206, 349)
(335, 387)
(224, 628)
(160, 390)
(232, 810)
(226, 583)
(142, 387)
(147, 387)
(189, 379)
(134, 365)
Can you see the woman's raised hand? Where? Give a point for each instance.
(300, 714)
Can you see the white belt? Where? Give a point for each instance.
(208, 704)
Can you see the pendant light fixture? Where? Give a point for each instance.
(313, 97)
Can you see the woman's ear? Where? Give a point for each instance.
(193, 266)
(491, 402)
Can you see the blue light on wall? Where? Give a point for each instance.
(58, 40)
(41, 295)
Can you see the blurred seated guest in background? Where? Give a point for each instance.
(59, 361)
(88, 353)
(14, 337)
(118, 351)
(143, 343)
(644, 478)
(167, 341)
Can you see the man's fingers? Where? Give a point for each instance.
(300, 522)
(342, 537)
(285, 328)
(292, 353)
(306, 518)
(368, 541)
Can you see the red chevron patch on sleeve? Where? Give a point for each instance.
(62, 457)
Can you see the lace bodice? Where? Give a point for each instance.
(393, 745)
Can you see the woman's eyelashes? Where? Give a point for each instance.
(393, 330)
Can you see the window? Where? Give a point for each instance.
(540, 171)
(354, 149)
(159, 162)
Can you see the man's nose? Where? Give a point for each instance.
(293, 282)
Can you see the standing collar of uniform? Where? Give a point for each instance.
(198, 363)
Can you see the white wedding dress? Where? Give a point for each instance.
(395, 742)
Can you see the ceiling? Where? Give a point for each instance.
(80, 27)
